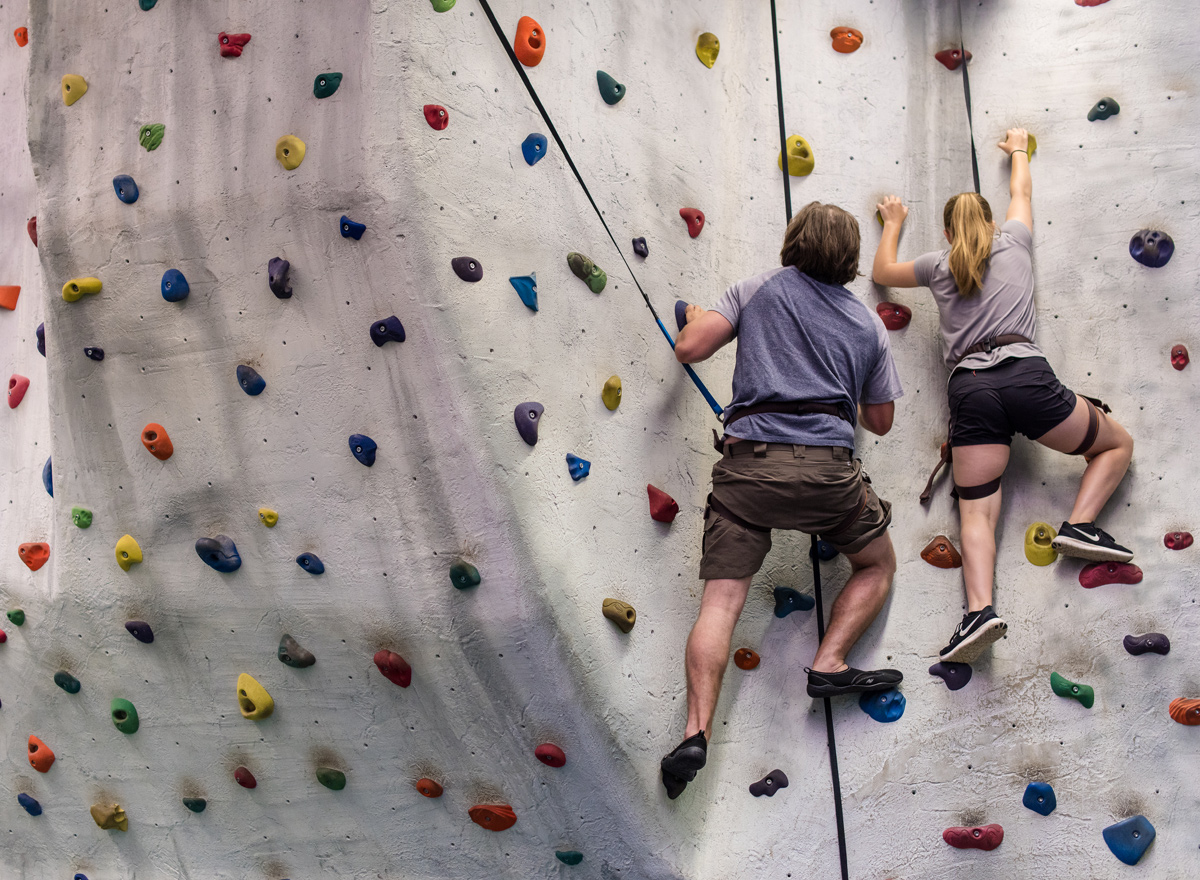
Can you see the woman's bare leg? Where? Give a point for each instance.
(974, 466)
(1107, 460)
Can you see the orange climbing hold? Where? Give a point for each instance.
(662, 506)
(493, 817)
(8, 296)
(530, 44)
(22, 35)
(154, 438)
(34, 555)
(40, 755)
(694, 218)
(744, 658)
(941, 553)
(429, 788)
(846, 39)
(1185, 711)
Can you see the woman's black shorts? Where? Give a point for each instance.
(1019, 394)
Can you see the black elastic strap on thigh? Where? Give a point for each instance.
(974, 493)
(1093, 428)
(724, 511)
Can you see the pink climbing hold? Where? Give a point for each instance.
(550, 755)
(231, 44)
(986, 837)
(952, 59)
(393, 667)
(694, 218)
(1178, 540)
(1100, 573)
(17, 386)
(662, 506)
(437, 116)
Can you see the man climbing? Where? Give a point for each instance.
(812, 362)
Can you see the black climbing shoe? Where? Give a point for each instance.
(977, 630)
(679, 768)
(1089, 541)
(851, 681)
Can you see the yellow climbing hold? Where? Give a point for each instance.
(74, 87)
(1038, 549)
(268, 517)
(110, 816)
(74, 289)
(611, 395)
(800, 157)
(707, 48)
(128, 552)
(253, 699)
(289, 150)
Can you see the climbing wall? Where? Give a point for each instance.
(526, 657)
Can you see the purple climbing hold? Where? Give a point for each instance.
(680, 313)
(641, 248)
(363, 448)
(387, 330)
(788, 600)
(1148, 643)
(769, 784)
(277, 277)
(527, 416)
(956, 675)
(350, 229)
(41, 338)
(94, 352)
(1151, 247)
(467, 268)
(140, 630)
(883, 706)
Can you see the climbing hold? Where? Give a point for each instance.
(311, 563)
(680, 314)
(387, 330)
(987, 837)
(32, 807)
(363, 448)
(219, 553)
(1099, 573)
(67, 681)
(442, 5)
(48, 477)
(846, 39)
(824, 550)
(800, 158)
(788, 600)
(588, 271)
(611, 392)
(428, 788)
(81, 516)
(577, 467)
(707, 49)
(550, 755)
(41, 758)
(277, 277)
(231, 44)
(151, 136)
(126, 188)
(956, 675)
(437, 116)
(290, 150)
(1151, 247)
(1173, 540)
(31, 228)
(334, 780)
(124, 715)
(1103, 109)
(326, 84)
(526, 287)
(94, 352)
(394, 667)
(744, 658)
(769, 784)
(493, 817)
(3, 637)
(21, 35)
(140, 630)
(1090, 2)
(196, 805)
(941, 553)
(174, 286)
(16, 617)
(1147, 643)
(74, 87)
(291, 654)
(952, 59)
(464, 575)
(1130, 838)
(662, 506)
(268, 517)
(252, 383)
(533, 148)
(253, 699)
(1081, 692)
(620, 613)
(1185, 711)
(883, 706)
(110, 817)
(1179, 357)
(1039, 797)
(569, 857)
(694, 218)
(640, 247)
(245, 778)
(155, 439)
(34, 555)
(1038, 538)
(894, 315)
(17, 386)
(610, 90)
(9, 294)
(128, 552)
(527, 416)
(530, 43)
(467, 268)
(40, 333)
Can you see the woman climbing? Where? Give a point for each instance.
(1000, 383)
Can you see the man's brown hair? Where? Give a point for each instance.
(822, 242)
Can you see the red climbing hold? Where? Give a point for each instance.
(231, 44)
(662, 506)
(550, 755)
(952, 59)
(530, 44)
(1185, 711)
(437, 116)
(35, 555)
(17, 386)
(3, 637)
(694, 218)
(31, 228)
(245, 778)
(493, 817)
(894, 315)
(393, 667)
(21, 35)
(1179, 357)
(1100, 573)
(41, 758)
(1089, 2)
(1178, 540)
(429, 788)
(987, 837)
(941, 553)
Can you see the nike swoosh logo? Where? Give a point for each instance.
(1085, 536)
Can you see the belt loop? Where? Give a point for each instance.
(760, 450)
(798, 450)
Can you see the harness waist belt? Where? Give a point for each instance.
(990, 345)
(791, 407)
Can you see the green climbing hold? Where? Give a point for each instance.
(464, 575)
(327, 776)
(1081, 692)
(125, 718)
(17, 617)
(326, 84)
(67, 682)
(81, 516)
(610, 90)
(196, 805)
(569, 857)
(150, 136)
(588, 271)
(442, 5)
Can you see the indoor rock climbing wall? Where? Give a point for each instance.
(526, 657)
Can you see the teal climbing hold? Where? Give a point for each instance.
(464, 575)
(17, 617)
(151, 136)
(326, 84)
(196, 805)
(331, 779)
(1081, 692)
(610, 90)
(147, 5)
(124, 715)
(526, 287)
(81, 516)
(67, 682)
(569, 857)
(788, 600)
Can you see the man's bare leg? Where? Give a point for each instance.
(708, 648)
(859, 603)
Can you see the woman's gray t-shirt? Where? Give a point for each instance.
(1003, 306)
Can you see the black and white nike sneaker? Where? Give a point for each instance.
(1089, 541)
(977, 630)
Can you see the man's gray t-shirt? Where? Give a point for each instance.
(800, 339)
(1003, 306)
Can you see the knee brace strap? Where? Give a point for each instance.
(973, 493)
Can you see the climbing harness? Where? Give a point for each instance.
(794, 407)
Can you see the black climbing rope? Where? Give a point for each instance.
(487, 9)
(962, 47)
(787, 184)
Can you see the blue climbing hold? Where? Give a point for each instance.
(32, 807)
(883, 706)
(640, 247)
(363, 448)
(533, 148)
(526, 287)
(94, 352)
(277, 277)
(84, 876)
(126, 189)
(48, 477)
(1130, 838)
(40, 332)
(1039, 797)
(788, 600)
(311, 563)
(219, 553)
(578, 467)
(527, 416)
(174, 286)
(956, 675)
(350, 229)
(825, 551)
(680, 313)
(387, 330)
(467, 268)
(252, 383)
(1151, 247)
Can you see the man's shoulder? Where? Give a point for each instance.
(747, 287)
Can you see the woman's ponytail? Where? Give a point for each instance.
(968, 219)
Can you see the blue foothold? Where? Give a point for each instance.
(387, 330)
(825, 551)
(127, 190)
(527, 416)
(48, 478)
(1039, 797)
(883, 706)
(94, 352)
(219, 553)
(680, 313)
(41, 338)
(533, 148)
(363, 448)
(252, 383)
(311, 563)
(788, 600)
(174, 286)
(350, 229)
(32, 807)
(526, 287)
(578, 467)
(1130, 838)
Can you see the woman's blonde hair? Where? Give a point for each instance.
(968, 219)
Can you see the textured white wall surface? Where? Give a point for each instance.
(526, 657)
